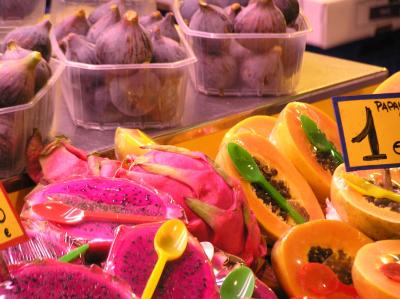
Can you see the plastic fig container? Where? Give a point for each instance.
(18, 122)
(15, 13)
(246, 64)
(149, 95)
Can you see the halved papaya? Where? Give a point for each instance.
(281, 173)
(258, 124)
(390, 85)
(375, 270)
(289, 137)
(378, 219)
(327, 242)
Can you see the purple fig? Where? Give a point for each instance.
(237, 51)
(42, 71)
(35, 38)
(165, 49)
(189, 7)
(17, 80)
(136, 94)
(103, 9)
(213, 19)
(260, 16)
(77, 48)
(233, 10)
(289, 8)
(217, 73)
(103, 23)
(263, 72)
(151, 19)
(125, 42)
(167, 27)
(76, 23)
(16, 9)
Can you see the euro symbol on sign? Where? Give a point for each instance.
(396, 147)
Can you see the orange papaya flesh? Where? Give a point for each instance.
(390, 85)
(371, 274)
(289, 137)
(332, 243)
(258, 124)
(279, 172)
(377, 218)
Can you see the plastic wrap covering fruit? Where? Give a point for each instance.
(101, 194)
(52, 279)
(132, 257)
(44, 242)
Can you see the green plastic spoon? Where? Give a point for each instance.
(74, 254)
(318, 139)
(248, 169)
(238, 284)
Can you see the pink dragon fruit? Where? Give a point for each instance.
(132, 258)
(102, 194)
(60, 160)
(214, 204)
(52, 279)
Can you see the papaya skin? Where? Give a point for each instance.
(266, 153)
(390, 85)
(353, 208)
(258, 124)
(290, 252)
(288, 136)
(368, 280)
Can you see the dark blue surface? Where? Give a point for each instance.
(382, 50)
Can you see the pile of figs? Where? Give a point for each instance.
(17, 9)
(24, 71)
(259, 65)
(115, 82)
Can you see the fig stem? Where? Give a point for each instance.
(131, 16)
(33, 59)
(203, 3)
(387, 179)
(81, 13)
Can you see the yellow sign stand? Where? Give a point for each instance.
(11, 230)
(369, 128)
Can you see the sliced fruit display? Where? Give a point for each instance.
(132, 258)
(315, 259)
(376, 270)
(258, 124)
(360, 200)
(281, 174)
(314, 161)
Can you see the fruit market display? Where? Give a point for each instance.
(276, 202)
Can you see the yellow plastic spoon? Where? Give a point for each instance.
(366, 188)
(170, 243)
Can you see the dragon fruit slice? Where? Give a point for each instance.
(52, 279)
(132, 258)
(214, 204)
(102, 194)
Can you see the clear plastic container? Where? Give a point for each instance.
(17, 124)
(15, 13)
(238, 64)
(150, 95)
(63, 8)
